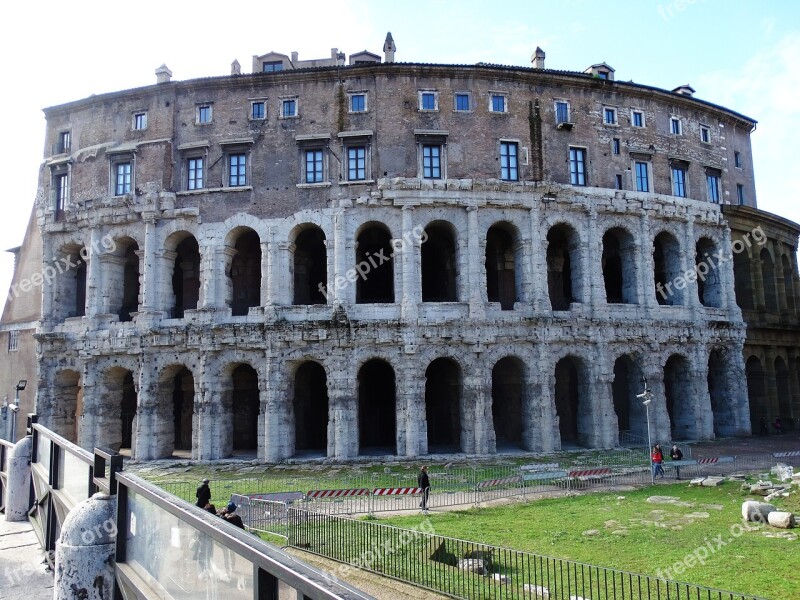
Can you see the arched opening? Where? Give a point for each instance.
(788, 282)
(69, 293)
(439, 267)
(130, 283)
(186, 277)
(67, 404)
(709, 284)
(375, 265)
(667, 269)
(117, 410)
(563, 266)
(310, 409)
(768, 275)
(631, 413)
(619, 266)
(508, 399)
(501, 282)
(246, 409)
(678, 392)
(183, 408)
(783, 390)
(743, 280)
(245, 273)
(718, 389)
(757, 395)
(376, 408)
(571, 400)
(443, 405)
(310, 267)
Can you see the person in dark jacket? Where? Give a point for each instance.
(424, 483)
(229, 514)
(203, 494)
(676, 454)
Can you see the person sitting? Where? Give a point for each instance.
(229, 514)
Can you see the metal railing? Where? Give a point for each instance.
(473, 570)
(5, 457)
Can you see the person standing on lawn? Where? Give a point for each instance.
(424, 483)
(203, 494)
(657, 457)
(676, 454)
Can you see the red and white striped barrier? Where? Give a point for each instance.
(404, 491)
(713, 461)
(497, 482)
(590, 472)
(337, 493)
(786, 454)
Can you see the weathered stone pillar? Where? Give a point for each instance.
(690, 292)
(343, 290)
(19, 480)
(701, 404)
(153, 436)
(645, 265)
(266, 271)
(771, 408)
(603, 425)
(148, 264)
(111, 269)
(49, 258)
(472, 282)
(592, 263)
(536, 251)
(93, 417)
(212, 428)
(737, 389)
(410, 259)
(411, 415)
(278, 422)
(343, 420)
(477, 427)
(660, 429)
(164, 295)
(550, 431)
(94, 283)
(84, 562)
(727, 276)
(758, 279)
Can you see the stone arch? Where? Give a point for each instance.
(443, 405)
(667, 269)
(310, 408)
(709, 276)
(768, 276)
(176, 400)
(244, 271)
(122, 278)
(377, 408)
(184, 273)
(509, 398)
(564, 266)
(309, 265)
(723, 409)
(69, 297)
(619, 266)
(118, 407)
(67, 404)
(783, 390)
(571, 399)
(439, 263)
(245, 408)
(502, 264)
(743, 281)
(788, 282)
(757, 393)
(631, 413)
(374, 264)
(678, 393)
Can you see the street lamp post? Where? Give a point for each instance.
(647, 396)
(15, 409)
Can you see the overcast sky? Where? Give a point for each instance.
(743, 55)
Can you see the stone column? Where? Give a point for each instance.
(472, 282)
(727, 276)
(698, 374)
(536, 265)
(660, 429)
(112, 268)
(771, 408)
(343, 290)
(163, 295)
(546, 403)
(645, 265)
(592, 263)
(343, 419)
(690, 292)
(411, 291)
(411, 413)
(758, 280)
(266, 271)
(49, 260)
(153, 436)
(603, 426)
(276, 406)
(148, 265)
(93, 420)
(94, 283)
(477, 426)
(19, 480)
(737, 389)
(212, 428)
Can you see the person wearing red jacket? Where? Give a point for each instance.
(657, 457)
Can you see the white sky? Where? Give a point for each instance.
(740, 54)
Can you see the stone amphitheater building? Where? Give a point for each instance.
(336, 258)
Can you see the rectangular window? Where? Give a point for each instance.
(60, 182)
(237, 170)
(122, 179)
(64, 142)
(140, 121)
(740, 193)
(675, 126)
(737, 159)
(289, 108)
(195, 171)
(13, 341)
(204, 114)
(610, 116)
(313, 164)
(562, 112)
(642, 177)
(427, 101)
(358, 103)
(615, 145)
(712, 183)
(705, 134)
(431, 161)
(679, 182)
(272, 66)
(356, 163)
(637, 118)
(577, 166)
(498, 103)
(509, 162)
(618, 181)
(462, 102)
(258, 110)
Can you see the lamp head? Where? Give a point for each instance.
(22, 384)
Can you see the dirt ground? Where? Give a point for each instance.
(756, 444)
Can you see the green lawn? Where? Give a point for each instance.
(631, 534)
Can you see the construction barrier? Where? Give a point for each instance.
(336, 493)
(405, 491)
(499, 482)
(589, 472)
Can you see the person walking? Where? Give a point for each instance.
(203, 494)
(657, 456)
(424, 483)
(676, 454)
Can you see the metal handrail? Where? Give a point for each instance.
(64, 443)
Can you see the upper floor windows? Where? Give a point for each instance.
(740, 194)
(705, 134)
(577, 166)
(428, 100)
(313, 162)
(498, 103)
(462, 102)
(562, 112)
(609, 115)
(139, 121)
(737, 159)
(509, 161)
(13, 340)
(642, 174)
(356, 163)
(675, 126)
(258, 110)
(62, 146)
(615, 146)
(712, 185)
(679, 181)
(637, 118)
(61, 188)
(272, 66)
(289, 108)
(204, 114)
(431, 161)
(123, 172)
(237, 169)
(358, 102)
(195, 170)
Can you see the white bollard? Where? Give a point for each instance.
(19, 481)
(85, 551)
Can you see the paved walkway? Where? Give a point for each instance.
(24, 574)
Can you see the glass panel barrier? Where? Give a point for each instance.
(175, 558)
(43, 452)
(74, 475)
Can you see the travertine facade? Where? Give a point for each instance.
(390, 258)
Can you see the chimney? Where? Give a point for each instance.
(236, 68)
(537, 60)
(684, 90)
(295, 58)
(389, 48)
(163, 74)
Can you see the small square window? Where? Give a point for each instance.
(356, 163)
(637, 118)
(737, 159)
(498, 103)
(13, 341)
(509, 161)
(140, 121)
(428, 101)
(358, 102)
(462, 102)
(675, 126)
(289, 108)
(740, 193)
(204, 114)
(314, 166)
(258, 110)
(615, 146)
(195, 173)
(237, 169)
(562, 112)
(577, 166)
(705, 134)
(610, 116)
